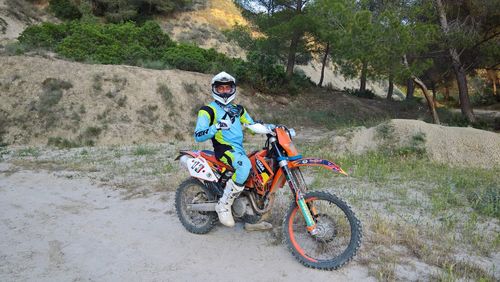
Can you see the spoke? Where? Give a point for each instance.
(334, 231)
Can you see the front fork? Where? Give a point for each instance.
(299, 198)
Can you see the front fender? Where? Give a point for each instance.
(317, 162)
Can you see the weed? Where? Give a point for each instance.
(97, 82)
(167, 128)
(52, 94)
(82, 109)
(169, 167)
(385, 131)
(121, 101)
(178, 136)
(165, 93)
(190, 88)
(28, 152)
(62, 143)
(147, 114)
(416, 146)
(91, 132)
(144, 151)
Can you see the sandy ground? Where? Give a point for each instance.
(66, 228)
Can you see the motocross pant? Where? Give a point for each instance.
(240, 163)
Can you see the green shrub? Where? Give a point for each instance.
(47, 35)
(65, 9)
(52, 93)
(91, 132)
(149, 46)
(186, 57)
(367, 93)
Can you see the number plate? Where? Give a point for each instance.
(199, 168)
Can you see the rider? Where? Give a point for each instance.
(222, 122)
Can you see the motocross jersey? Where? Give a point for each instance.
(227, 139)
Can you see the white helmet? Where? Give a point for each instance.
(224, 78)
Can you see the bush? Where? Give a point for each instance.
(149, 46)
(52, 93)
(165, 93)
(367, 94)
(62, 143)
(485, 98)
(65, 9)
(47, 35)
(186, 57)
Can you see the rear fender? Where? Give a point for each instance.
(317, 162)
(193, 154)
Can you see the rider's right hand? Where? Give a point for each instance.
(224, 124)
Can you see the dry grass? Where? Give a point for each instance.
(405, 220)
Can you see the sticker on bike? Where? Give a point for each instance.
(199, 168)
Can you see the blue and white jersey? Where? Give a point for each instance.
(227, 139)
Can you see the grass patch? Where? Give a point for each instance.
(28, 152)
(144, 151)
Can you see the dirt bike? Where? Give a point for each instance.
(319, 228)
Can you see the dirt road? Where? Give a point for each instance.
(66, 228)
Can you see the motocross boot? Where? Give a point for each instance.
(223, 207)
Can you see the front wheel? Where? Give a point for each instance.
(339, 232)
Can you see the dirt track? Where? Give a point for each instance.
(65, 228)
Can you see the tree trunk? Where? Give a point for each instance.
(429, 99)
(463, 92)
(434, 95)
(410, 89)
(493, 78)
(446, 93)
(294, 43)
(364, 70)
(291, 54)
(320, 83)
(391, 87)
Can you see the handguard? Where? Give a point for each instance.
(259, 128)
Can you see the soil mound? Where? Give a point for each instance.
(457, 146)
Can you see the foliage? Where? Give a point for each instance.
(65, 9)
(118, 11)
(367, 93)
(47, 35)
(165, 93)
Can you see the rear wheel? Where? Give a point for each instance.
(192, 191)
(338, 237)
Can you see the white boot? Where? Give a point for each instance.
(223, 207)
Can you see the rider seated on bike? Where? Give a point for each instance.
(221, 121)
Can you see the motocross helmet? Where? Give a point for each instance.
(225, 97)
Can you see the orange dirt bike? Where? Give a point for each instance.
(320, 229)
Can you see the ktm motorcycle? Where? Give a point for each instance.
(319, 228)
